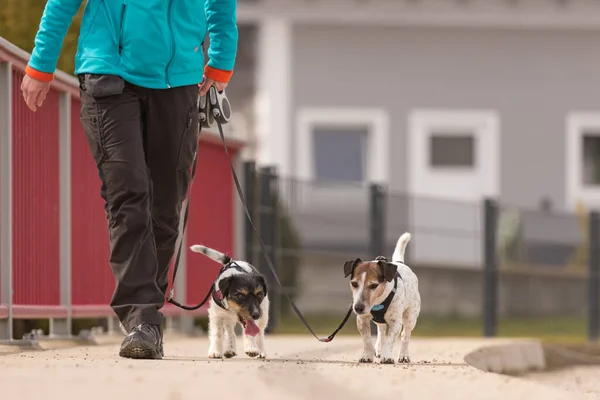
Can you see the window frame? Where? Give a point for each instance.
(578, 124)
(423, 123)
(377, 151)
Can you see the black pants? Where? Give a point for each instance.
(143, 142)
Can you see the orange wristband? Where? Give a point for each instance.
(38, 75)
(217, 75)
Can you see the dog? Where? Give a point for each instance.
(387, 293)
(239, 296)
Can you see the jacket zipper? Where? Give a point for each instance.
(123, 10)
(172, 44)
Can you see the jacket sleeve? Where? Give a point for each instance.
(49, 39)
(223, 35)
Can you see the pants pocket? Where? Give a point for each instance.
(91, 120)
(189, 140)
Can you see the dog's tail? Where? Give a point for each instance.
(211, 253)
(401, 248)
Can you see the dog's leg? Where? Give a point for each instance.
(387, 343)
(262, 325)
(381, 331)
(250, 347)
(215, 337)
(229, 340)
(409, 320)
(260, 340)
(364, 327)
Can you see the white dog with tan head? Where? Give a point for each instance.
(387, 293)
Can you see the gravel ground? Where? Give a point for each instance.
(298, 368)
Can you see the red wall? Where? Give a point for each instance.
(35, 200)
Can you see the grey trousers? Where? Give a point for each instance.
(143, 142)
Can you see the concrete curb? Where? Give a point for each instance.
(515, 358)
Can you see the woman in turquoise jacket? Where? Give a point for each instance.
(141, 67)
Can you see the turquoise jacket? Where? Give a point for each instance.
(151, 43)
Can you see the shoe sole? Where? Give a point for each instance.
(140, 350)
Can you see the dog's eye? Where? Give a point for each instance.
(373, 286)
(354, 284)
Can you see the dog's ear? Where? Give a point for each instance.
(388, 270)
(349, 266)
(224, 286)
(263, 282)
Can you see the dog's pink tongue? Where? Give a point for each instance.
(251, 328)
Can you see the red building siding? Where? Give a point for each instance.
(35, 200)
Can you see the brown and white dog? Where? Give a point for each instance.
(239, 296)
(387, 293)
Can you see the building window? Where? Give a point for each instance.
(456, 150)
(453, 153)
(340, 153)
(344, 145)
(582, 160)
(591, 158)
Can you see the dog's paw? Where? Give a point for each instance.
(214, 354)
(262, 355)
(404, 360)
(387, 360)
(252, 353)
(230, 354)
(366, 360)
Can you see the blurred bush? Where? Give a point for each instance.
(19, 22)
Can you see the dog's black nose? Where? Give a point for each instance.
(255, 315)
(359, 308)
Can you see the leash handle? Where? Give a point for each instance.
(214, 107)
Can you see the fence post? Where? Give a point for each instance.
(250, 197)
(377, 199)
(377, 228)
(6, 324)
(490, 268)
(61, 327)
(267, 228)
(594, 278)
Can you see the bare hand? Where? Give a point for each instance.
(34, 92)
(207, 83)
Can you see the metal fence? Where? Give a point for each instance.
(496, 268)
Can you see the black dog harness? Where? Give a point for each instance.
(378, 311)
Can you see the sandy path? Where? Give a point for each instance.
(577, 380)
(299, 368)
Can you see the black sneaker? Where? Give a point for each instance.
(143, 342)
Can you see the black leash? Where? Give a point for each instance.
(215, 107)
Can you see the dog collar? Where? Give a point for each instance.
(378, 311)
